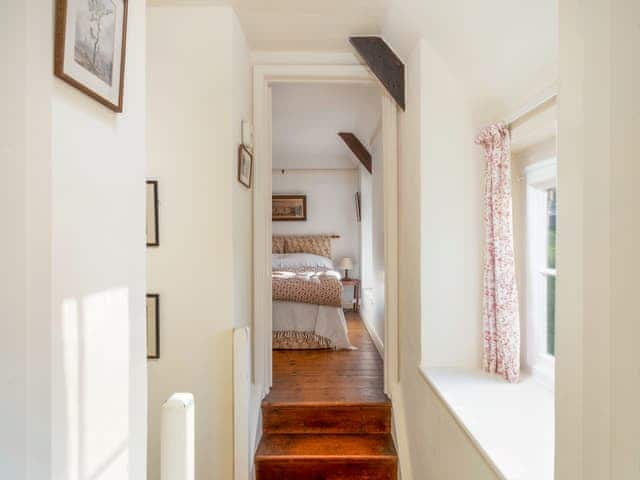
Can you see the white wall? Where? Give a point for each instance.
(330, 209)
(452, 230)
(438, 447)
(75, 171)
(198, 87)
(25, 243)
(597, 382)
(242, 198)
(372, 241)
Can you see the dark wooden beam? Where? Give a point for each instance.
(358, 149)
(384, 64)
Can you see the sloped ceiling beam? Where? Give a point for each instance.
(358, 149)
(384, 64)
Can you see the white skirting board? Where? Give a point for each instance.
(367, 305)
(241, 402)
(400, 433)
(177, 457)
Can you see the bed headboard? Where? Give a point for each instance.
(316, 244)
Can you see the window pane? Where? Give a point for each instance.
(551, 315)
(551, 229)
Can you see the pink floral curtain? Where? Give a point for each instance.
(500, 307)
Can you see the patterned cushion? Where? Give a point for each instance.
(316, 244)
(277, 244)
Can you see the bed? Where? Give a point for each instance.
(307, 295)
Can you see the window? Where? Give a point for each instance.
(549, 270)
(541, 267)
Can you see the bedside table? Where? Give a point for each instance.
(355, 283)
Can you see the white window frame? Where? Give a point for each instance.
(540, 177)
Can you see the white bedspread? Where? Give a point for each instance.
(328, 322)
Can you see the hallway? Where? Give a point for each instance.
(327, 415)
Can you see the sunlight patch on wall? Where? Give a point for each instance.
(96, 341)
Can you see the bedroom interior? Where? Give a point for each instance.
(410, 254)
(327, 392)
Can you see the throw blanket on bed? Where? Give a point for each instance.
(317, 288)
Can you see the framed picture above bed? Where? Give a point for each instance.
(288, 208)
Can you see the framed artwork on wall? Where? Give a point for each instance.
(247, 135)
(245, 166)
(152, 227)
(90, 48)
(153, 325)
(287, 208)
(358, 208)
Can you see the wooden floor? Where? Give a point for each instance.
(342, 376)
(327, 416)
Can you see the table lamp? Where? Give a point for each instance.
(346, 264)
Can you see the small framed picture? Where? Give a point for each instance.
(245, 166)
(358, 208)
(153, 230)
(153, 325)
(90, 48)
(288, 208)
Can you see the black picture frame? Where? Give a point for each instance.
(152, 222)
(153, 326)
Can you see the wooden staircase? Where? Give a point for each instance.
(326, 442)
(326, 420)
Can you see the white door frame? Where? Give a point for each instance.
(264, 76)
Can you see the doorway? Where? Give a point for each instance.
(265, 77)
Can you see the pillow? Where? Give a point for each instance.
(316, 244)
(290, 261)
(277, 244)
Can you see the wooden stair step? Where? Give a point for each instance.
(327, 418)
(326, 457)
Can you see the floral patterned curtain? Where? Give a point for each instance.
(500, 306)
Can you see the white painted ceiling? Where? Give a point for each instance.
(301, 25)
(325, 25)
(504, 50)
(307, 118)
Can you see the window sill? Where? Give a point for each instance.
(511, 425)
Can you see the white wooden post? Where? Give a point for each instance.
(177, 458)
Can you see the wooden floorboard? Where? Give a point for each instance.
(327, 376)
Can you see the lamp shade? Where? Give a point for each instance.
(346, 263)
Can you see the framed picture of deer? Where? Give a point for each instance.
(90, 48)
